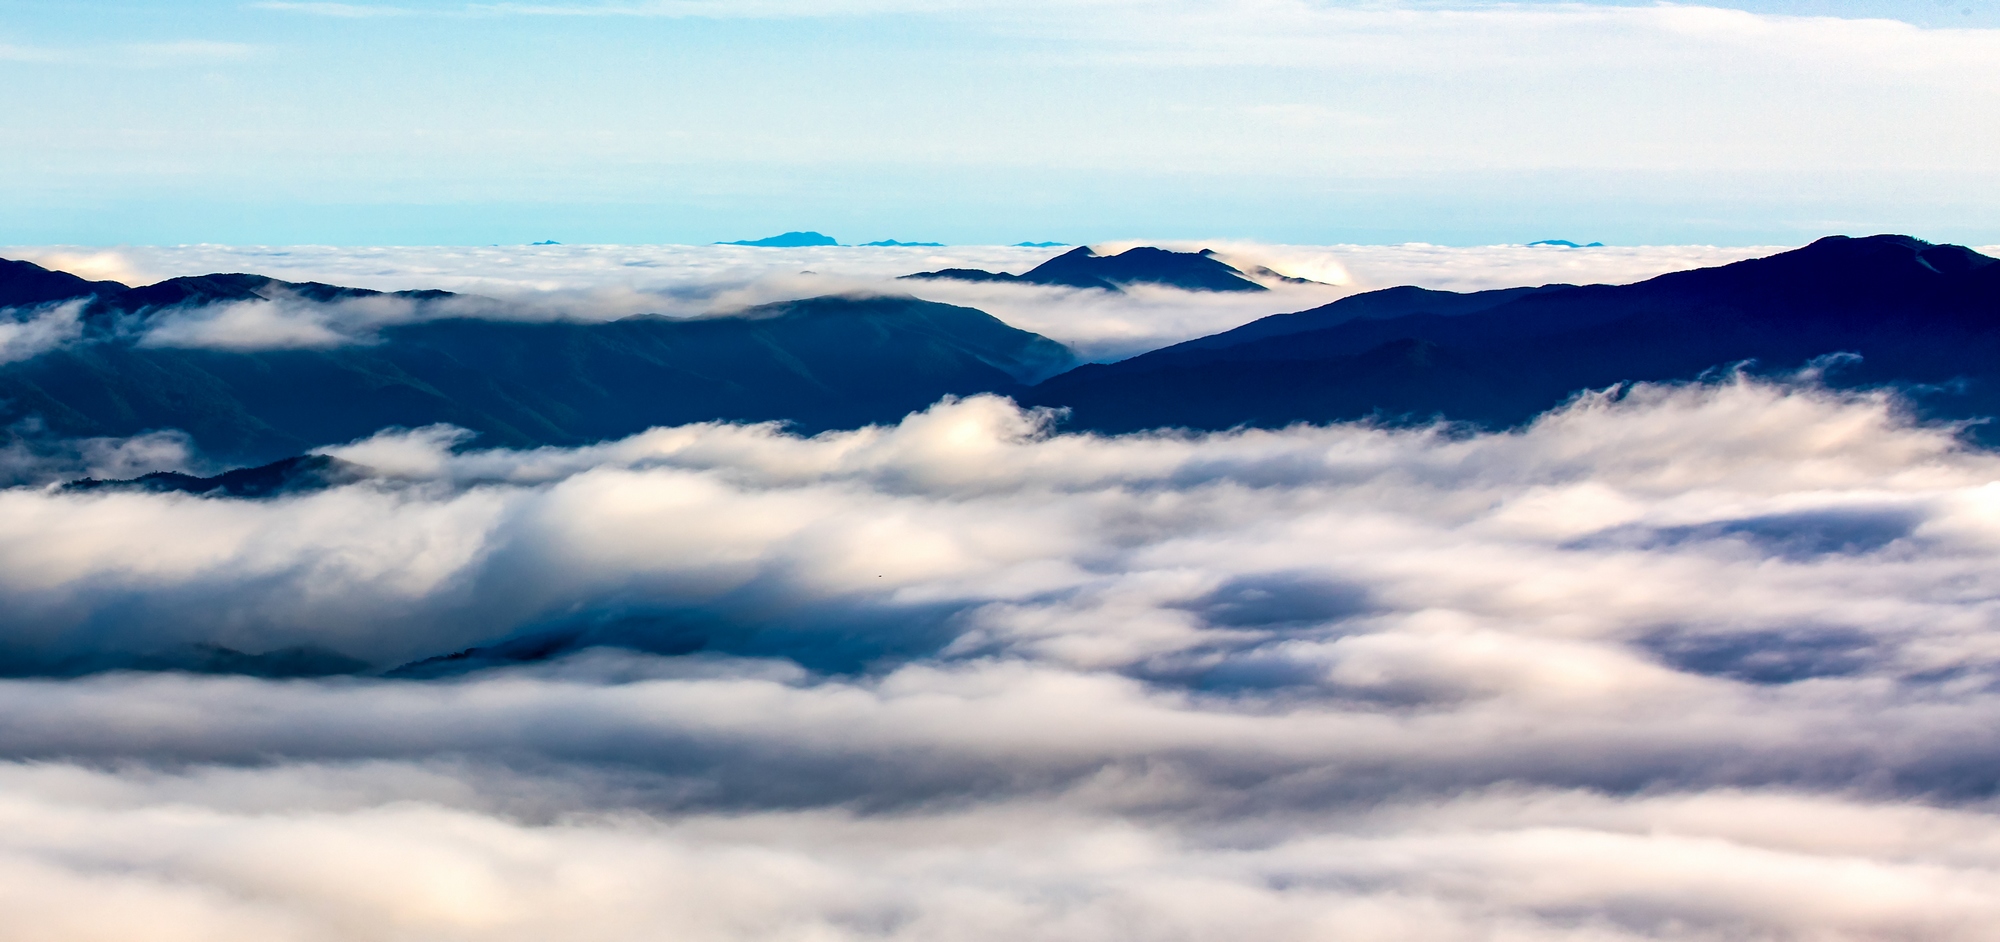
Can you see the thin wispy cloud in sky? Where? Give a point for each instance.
(134, 55)
(342, 10)
(703, 9)
(14, 53)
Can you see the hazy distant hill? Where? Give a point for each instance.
(788, 240)
(1084, 268)
(1923, 316)
(821, 363)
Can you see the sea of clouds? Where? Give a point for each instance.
(1711, 661)
(1703, 662)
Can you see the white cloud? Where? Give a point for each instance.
(728, 9)
(31, 457)
(184, 51)
(1705, 662)
(25, 334)
(12, 52)
(1072, 549)
(669, 9)
(245, 325)
(176, 856)
(146, 55)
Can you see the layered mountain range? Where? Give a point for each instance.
(1876, 311)
(819, 363)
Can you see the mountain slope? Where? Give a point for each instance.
(822, 363)
(1919, 315)
(26, 284)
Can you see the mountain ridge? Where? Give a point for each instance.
(25, 284)
(1922, 317)
(819, 363)
(295, 475)
(1918, 314)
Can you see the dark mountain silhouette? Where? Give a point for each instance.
(1084, 268)
(26, 284)
(288, 662)
(296, 475)
(1263, 273)
(1921, 316)
(195, 290)
(789, 240)
(831, 362)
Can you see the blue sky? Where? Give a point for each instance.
(454, 123)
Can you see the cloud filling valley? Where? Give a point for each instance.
(1706, 661)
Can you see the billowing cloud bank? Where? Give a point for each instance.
(1709, 662)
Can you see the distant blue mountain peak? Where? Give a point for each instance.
(546, 242)
(890, 243)
(1567, 244)
(789, 240)
(1040, 245)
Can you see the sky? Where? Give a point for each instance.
(973, 122)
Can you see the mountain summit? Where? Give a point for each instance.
(1083, 268)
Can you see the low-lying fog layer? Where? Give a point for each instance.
(1711, 662)
(605, 281)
